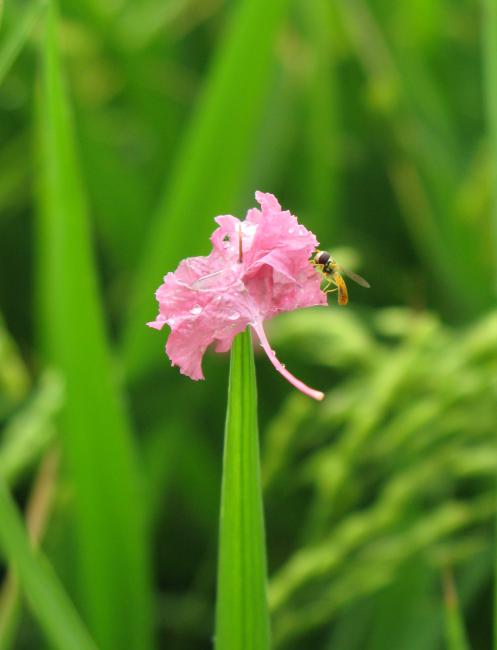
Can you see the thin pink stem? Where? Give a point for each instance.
(315, 394)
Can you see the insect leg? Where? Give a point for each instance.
(327, 289)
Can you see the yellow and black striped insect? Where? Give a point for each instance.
(332, 272)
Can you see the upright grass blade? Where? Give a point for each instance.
(112, 562)
(490, 87)
(12, 44)
(50, 604)
(242, 620)
(323, 142)
(454, 624)
(37, 513)
(211, 166)
(14, 376)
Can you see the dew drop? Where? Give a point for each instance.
(195, 311)
(234, 316)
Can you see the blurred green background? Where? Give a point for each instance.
(125, 128)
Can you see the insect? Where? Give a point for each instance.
(332, 272)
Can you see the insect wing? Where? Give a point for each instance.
(208, 281)
(357, 278)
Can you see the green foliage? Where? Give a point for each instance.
(385, 461)
(17, 36)
(96, 439)
(47, 598)
(374, 122)
(454, 625)
(489, 20)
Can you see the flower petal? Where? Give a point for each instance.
(198, 318)
(311, 392)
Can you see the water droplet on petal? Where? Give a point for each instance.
(195, 311)
(234, 316)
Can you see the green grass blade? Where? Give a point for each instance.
(37, 513)
(31, 430)
(51, 606)
(322, 128)
(490, 87)
(112, 562)
(454, 624)
(242, 620)
(14, 376)
(413, 599)
(11, 46)
(212, 164)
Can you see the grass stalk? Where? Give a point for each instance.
(490, 90)
(49, 603)
(112, 565)
(455, 633)
(12, 44)
(242, 620)
(38, 512)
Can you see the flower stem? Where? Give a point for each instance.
(242, 619)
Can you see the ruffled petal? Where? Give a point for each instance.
(303, 388)
(201, 317)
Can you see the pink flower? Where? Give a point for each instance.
(257, 268)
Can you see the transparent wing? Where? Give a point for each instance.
(208, 281)
(357, 278)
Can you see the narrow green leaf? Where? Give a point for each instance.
(14, 376)
(49, 603)
(37, 512)
(30, 431)
(490, 88)
(12, 44)
(242, 620)
(455, 633)
(323, 141)
(414, 600)
(112, 562)
(212, 164)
